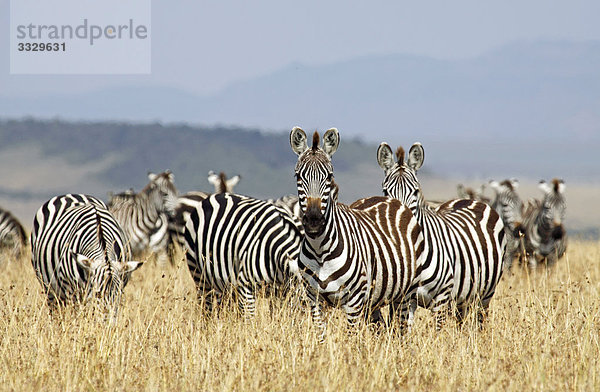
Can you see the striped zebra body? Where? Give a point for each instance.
(545, 235)
(509, 206)
(12, 235)
(464, 240)
(79, 251)
(239, 243)
(142, 215)
(360, 257)
(181, 207)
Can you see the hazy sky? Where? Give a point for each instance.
(202, 46)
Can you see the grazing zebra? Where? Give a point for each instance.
(237, 242)
(360, 257)
(181, 207)
(509, 206)
(143, 216)
(545, 235)
(12, 235)
(464, 240)
(79, 252)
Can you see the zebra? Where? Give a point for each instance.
(79, 252)
(359, 257)
(181, 207)
(472, 194)
(509, 206)
(143, 215)
(12, 235)
(545, 235)
(291, 204)
(464, 240)
(239, 243)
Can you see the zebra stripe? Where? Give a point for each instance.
(464, 240)
(509, 206)
(142, 216)
(181, 207)
(12, 234)
(237, 242)
(360, 257)
(545, 235)
(79, 251)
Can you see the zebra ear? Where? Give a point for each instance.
(543, 185)
(130, 266)
(212, 177)
(232, 182)
(331, 141)
(495, 185)
(385, 157)
(298, 140)
(514, 183)
(152, 176)
(416, 156)
(83, 261)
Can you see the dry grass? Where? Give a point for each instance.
(542, 334)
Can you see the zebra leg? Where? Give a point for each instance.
(246, 300)
(317, 316)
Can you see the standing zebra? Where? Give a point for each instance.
(464, 240)
(360, 257)
(181, 207)
(142, 215)
(545, 235)
(12, 235)
(236, 242)
(79, 252)
(509, 206)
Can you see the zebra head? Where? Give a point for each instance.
(105, 273)
(401, 180)
(314, 176)
(508, 204)
(221, 183)
(161, 188)
(553, 207)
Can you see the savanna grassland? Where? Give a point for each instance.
(542, 333)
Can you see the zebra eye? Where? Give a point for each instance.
(329, 176)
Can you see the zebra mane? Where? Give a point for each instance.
(315, 141)
(400, 155)
(507, 184)
(556, 182)
(222, 182)
(100, 233)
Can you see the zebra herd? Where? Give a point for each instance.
(394, 250)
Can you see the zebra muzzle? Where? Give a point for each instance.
(313, 219)
(558, 232)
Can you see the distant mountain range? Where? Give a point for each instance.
(524, 91)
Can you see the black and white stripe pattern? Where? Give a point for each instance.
(181, 207)
(360, 257)
(509, 206)
(143, 216)
(12, 235)
(241, 243)
(79, 252)
(545, 235)
(464, 240)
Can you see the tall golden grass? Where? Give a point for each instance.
(542, 333)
